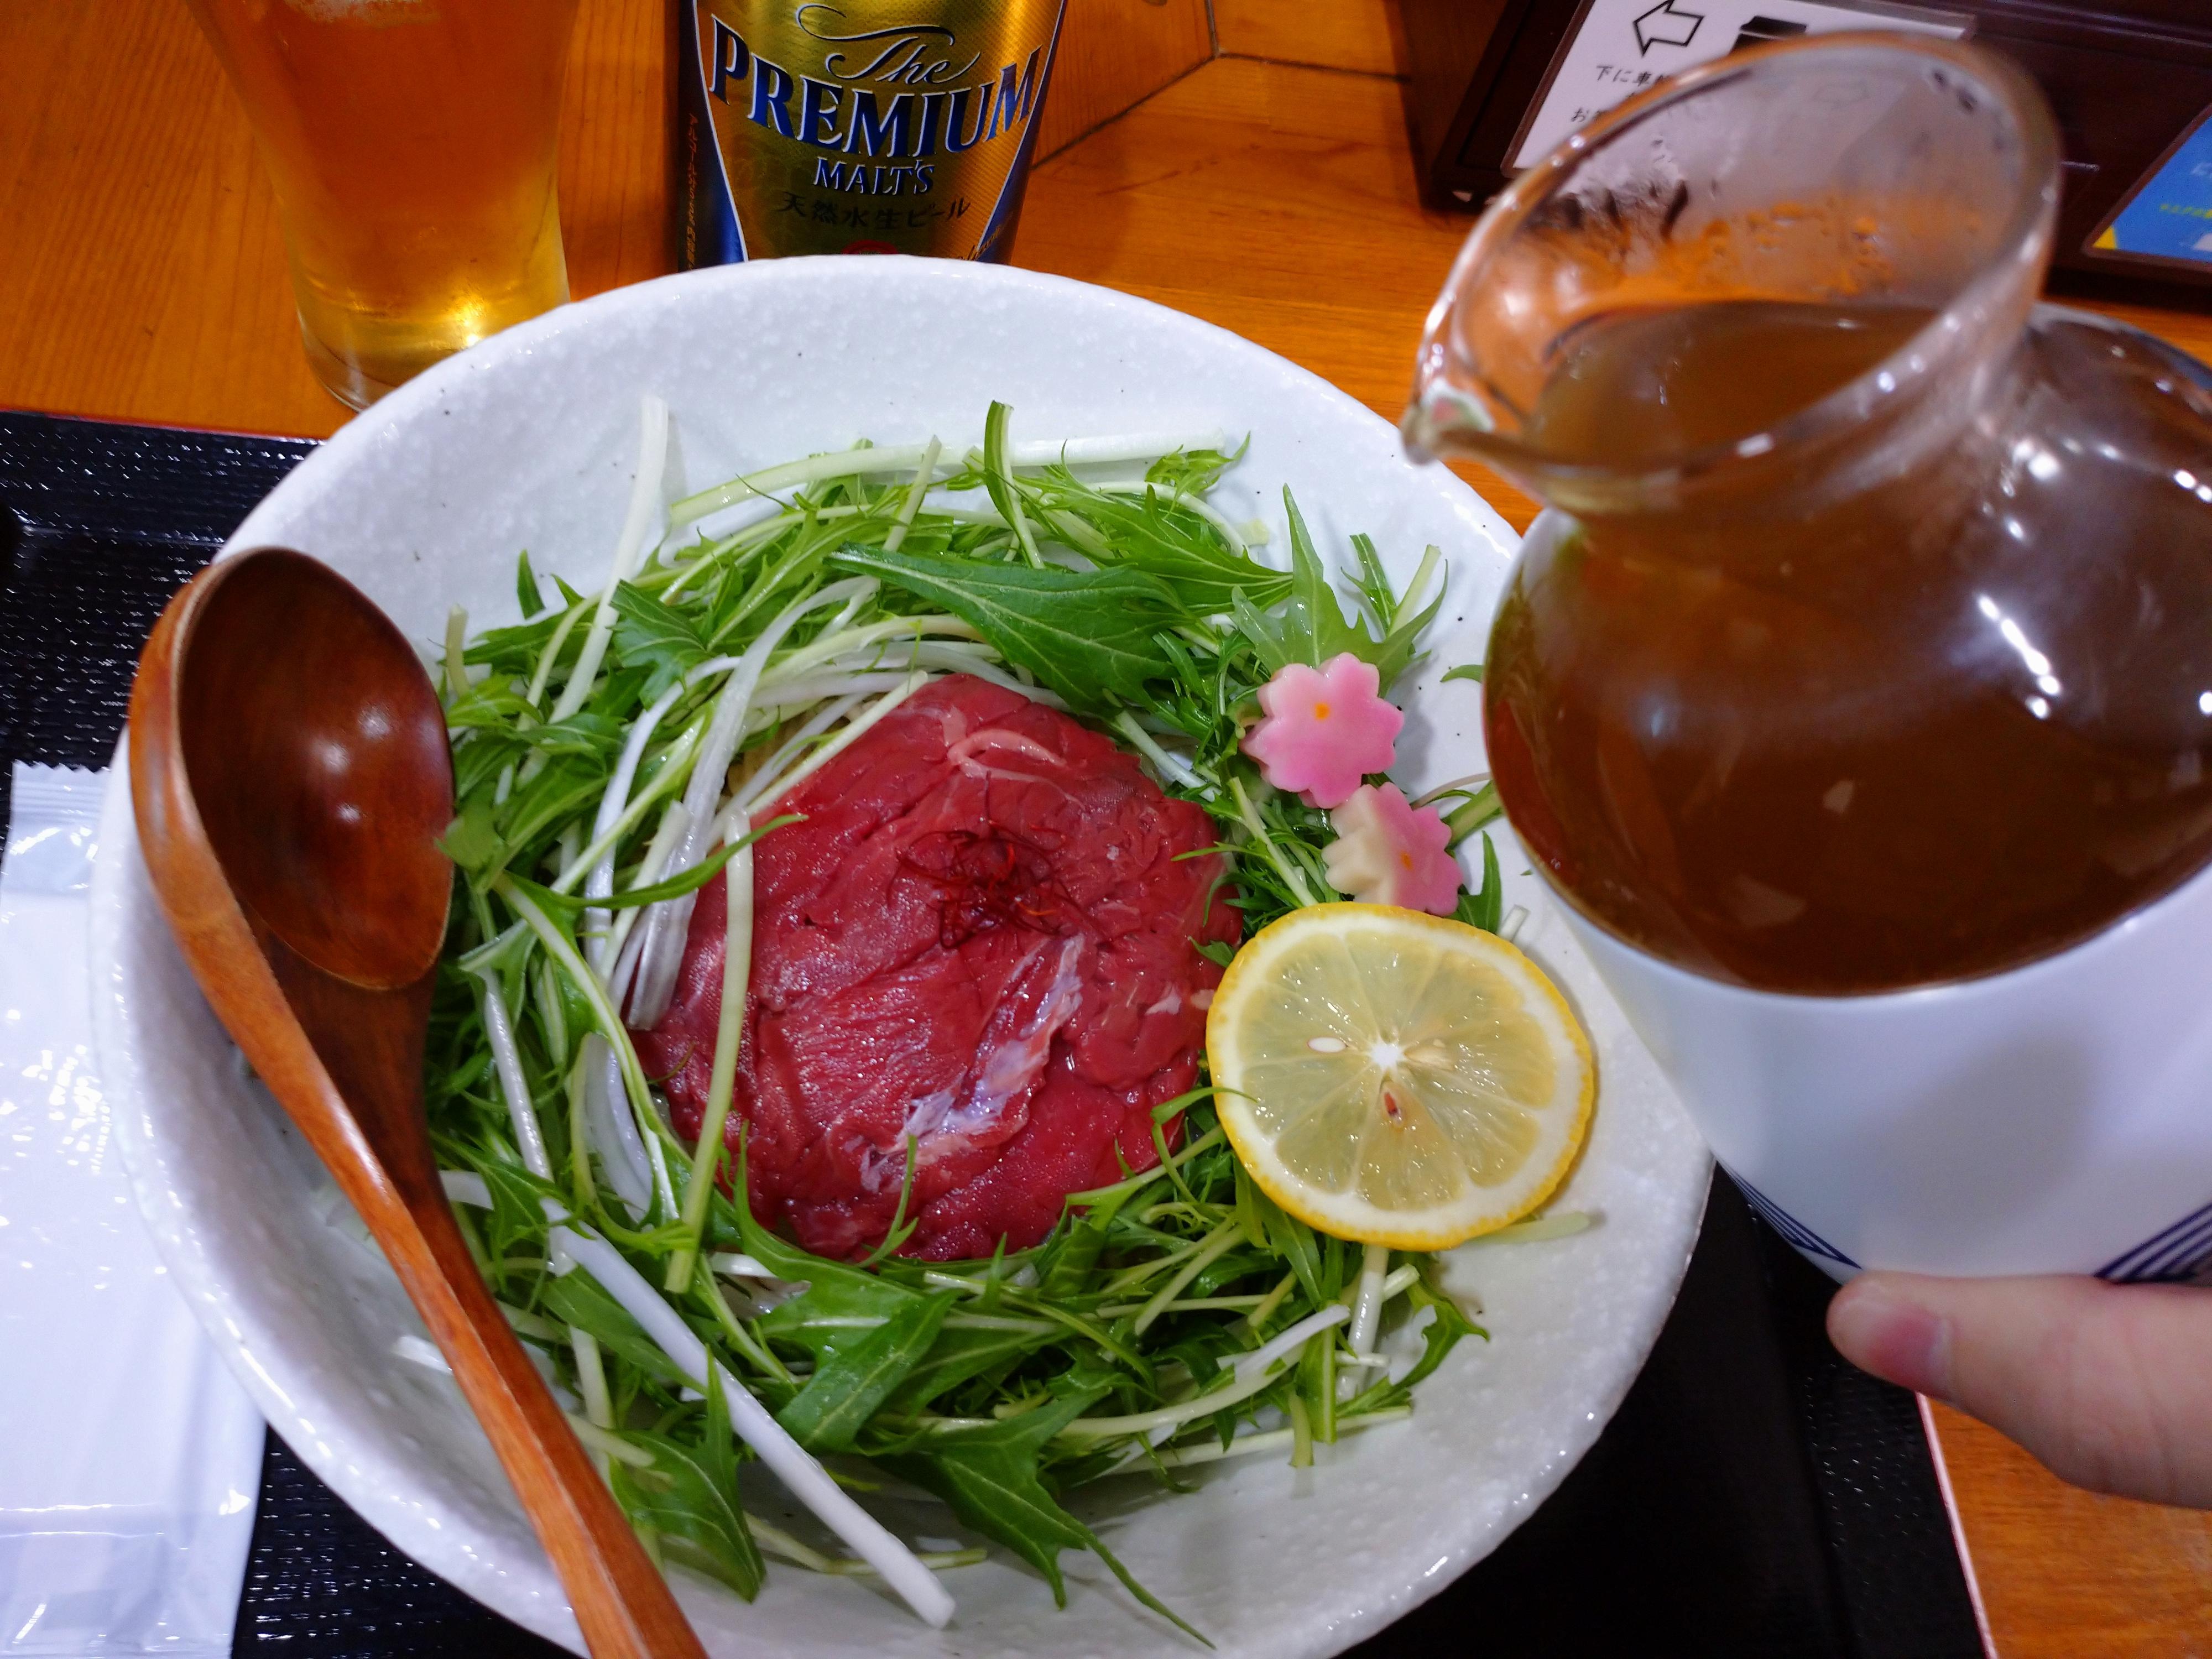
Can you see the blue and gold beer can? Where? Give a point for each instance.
(860, 127)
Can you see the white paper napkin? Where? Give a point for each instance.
(129, 1459)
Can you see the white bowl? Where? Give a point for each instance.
(527, 442)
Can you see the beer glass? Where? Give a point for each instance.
(413, 146)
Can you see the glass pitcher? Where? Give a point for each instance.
(1870, 644)
(1855, 689)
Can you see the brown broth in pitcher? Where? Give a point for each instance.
(1932, 727)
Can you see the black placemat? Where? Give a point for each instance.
(1754, 1495)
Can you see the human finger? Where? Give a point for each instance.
(2110, 1385)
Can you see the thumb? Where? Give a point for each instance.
(2110, 1385)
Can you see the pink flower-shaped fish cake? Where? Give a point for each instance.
(1326, 729)
(1388, 852)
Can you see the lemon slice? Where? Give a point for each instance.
(1395, 1077)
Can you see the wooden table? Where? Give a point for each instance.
(1265, 184)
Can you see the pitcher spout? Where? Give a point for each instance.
(1929, 187)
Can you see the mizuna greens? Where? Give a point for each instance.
(616, 749)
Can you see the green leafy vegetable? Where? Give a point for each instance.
(636, 898)
(1194, 472)
(576, 1299)
(1485, 907)
(1091, 636)
(998, 480)
(855, 1377)
(1476, 808)
(1003, 1385)
(989, 1475)
(693, 1508)
(1151, 534)
(1313, 627)
(656, 637)
(1445, 1330)
(472, 840)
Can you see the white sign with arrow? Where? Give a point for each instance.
(1663, 26)
(1617, 48)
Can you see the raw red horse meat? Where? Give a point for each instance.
(983, 936)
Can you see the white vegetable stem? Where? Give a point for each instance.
(644, 504)
(985, 670)
(610, 1448)
(905, 458)
(814, 688)
(735, 1264)
(607, 949)
(563, 955)
(789, 1462)
(674, 761)
(507, 1060)
(816, 723)
(421, 1351)
(1565, 1223)
(765, 795)
(1367, 1311)
(1099, 451)
(611, 1133)
(1289, 1341)
(464, 1187)
(600, 884)
(456, 645)
(1169, 766)
(920, 488)
(592, 1383)
(1011, 505)
(544, 670)
(774, 1540)
(662, 953)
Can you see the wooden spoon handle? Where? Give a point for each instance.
(620, 1598)
(344, 1055)
(365, 1075)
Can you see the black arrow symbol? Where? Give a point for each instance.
(1663, 26)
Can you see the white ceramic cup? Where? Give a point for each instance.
(2056, 1118)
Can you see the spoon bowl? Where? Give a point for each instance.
(290, 776)
(332, 792)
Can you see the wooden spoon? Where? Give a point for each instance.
(290, 769)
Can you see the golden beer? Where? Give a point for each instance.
(862, 127)
(413, 145)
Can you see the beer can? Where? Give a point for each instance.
(861, 127)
